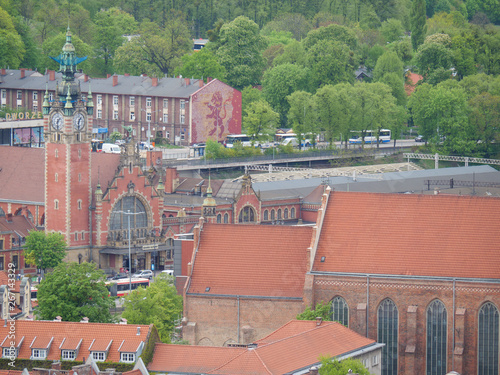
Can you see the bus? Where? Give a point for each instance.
(231, 139)
(97, 145)
(371, 136)
(121, 287)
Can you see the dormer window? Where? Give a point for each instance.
(9, 353)
(68, 355)
(99, 356)
(127, 357)
(38, 353)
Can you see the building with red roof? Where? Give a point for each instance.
(293, 348)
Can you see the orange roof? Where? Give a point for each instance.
(296, 345)
(252, 260)
(95, 335)
(411, 81)
(409, 234)
(189, 358)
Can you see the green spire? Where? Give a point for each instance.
(46, 105)
(67, 59)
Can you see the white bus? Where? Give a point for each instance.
(371, 136)
(231, 139)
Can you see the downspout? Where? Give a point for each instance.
(91, 235)
(238, 299)
(453, 357)
(367, 301)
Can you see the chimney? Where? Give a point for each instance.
(319, 320)
(187, 81)
(200, 82)
(123, 321)
(30, 318)
(127, 74)
(115, 80)
(58, 319)
(52, 75)
(154, 81)
(313, 370)
(84, 320)
(55, 365)
(4, 72)
(23, 73)
(85, 78)
(108, 75)
(9, 218)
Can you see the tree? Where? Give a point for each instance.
(334, 367)
(302, 116)
(12, 48)
(392, 30)
(202, 64)
(431, 56)
(418, 23)
(248, 96)
(293, 53)
(331, 32)
(322, 310)
(260, 121)
(484, 117)
(159, 304)
(389, 62)
(45, 250)
(396, 83)
(281, 81)
(74, 291)
(240, 52)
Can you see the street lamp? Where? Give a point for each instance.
(149, 123)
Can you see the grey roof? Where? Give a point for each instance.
(131, 85)
(229, 189)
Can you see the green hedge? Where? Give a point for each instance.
(21, 364)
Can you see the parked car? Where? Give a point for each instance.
(419, 138)
(145, 146)
(110, 148)
(144, 274)
(119, 276)
(167, 272)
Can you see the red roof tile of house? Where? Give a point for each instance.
(408, 234)
(102, 333)
(22, 173)
(19, 225)
(188, 358)
(256, 260)
(411, 82)
(304, 346)
(42, 342)
(71, 343)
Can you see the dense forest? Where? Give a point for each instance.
(296, 60)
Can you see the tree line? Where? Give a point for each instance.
(294, 61)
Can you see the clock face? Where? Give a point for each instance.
(57, 121)
(78, 121)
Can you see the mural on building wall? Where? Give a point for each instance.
(216, 112)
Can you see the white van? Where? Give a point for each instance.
(110, 148)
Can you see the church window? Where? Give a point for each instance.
(129, 208)
(279, 214)
(266, 215)
(388, 335)
(488, 340)
(273, 215)
(56, 204)
(292, 213)
(285, 213)
(2, 213)
(1, 263)
(436, 338)
(247, 215)
(340, 311)
(219, 218)
(226, 218)
(56, 177)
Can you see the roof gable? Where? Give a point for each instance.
(408, 234)
(237, 259)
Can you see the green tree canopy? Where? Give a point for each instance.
(281, 81)
(12, 48)
(239, 52)
(418, 23)
(293, 53)
(158, 304)
(334, 367)
(392, 29)
(302, 116)
(260, 121)
(45, 250)
(201, 65)
(389, 62)
(322, 310)
(431, 56)
(74, 291)
(331, 32)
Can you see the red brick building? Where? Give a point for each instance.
(419, 273)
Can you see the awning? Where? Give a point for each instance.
(133, 249)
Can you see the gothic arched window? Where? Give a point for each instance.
(2, 212)
(279, 214)
(436, 338)
(226, 218)
(340, 311)
(388, 334)
(292, 213)
(488, 340)
(285, 213)
(247, 215)
(129, 208)
(266, 215)
(219, 218)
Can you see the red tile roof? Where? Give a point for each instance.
(296, 345)
(189, 358)
(408, 234)
(102, 333)
(256, 260)
(411, 82)
(22, 174)
(18, 225)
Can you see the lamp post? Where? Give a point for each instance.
(149, 124)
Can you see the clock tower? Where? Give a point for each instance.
(68, 130)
